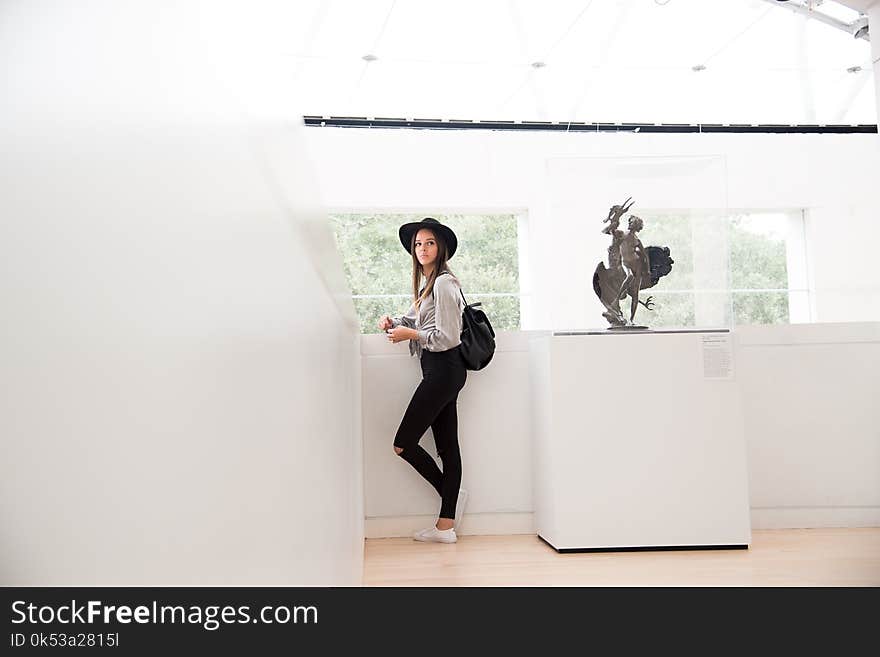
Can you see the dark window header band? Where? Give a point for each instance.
(439, 124)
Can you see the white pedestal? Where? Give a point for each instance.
(638, 441)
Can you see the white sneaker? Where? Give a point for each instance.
(426, 530)
(459, 507)
(434, 535)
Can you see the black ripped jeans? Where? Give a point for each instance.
(433, 404)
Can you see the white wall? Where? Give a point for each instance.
(834, 177)
(873, 21)
(803, 473)
(808, 398)
(493, 411)
(180, 358)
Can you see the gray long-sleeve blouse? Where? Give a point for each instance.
(438, 320)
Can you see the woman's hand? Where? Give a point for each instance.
(385, 323)
(402, 333)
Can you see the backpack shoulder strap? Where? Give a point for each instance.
(466, 304)
(469, 305)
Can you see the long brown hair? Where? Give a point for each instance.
(439, 267)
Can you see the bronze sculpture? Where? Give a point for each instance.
(631, 268)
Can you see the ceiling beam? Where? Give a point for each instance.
(859, 5)
(804, 8)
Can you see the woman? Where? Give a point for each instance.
(433, 327)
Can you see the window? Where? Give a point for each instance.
(379, 271)
(730, 269)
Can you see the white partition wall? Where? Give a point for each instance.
(494, 436)
(180, 362)
(809, 399)
(812, 443)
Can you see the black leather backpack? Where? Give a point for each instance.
(477, 336)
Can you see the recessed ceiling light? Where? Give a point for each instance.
(854, 69)
(538, 64)
(698, 68)
(369, 58)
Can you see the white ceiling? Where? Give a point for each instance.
(605, 61)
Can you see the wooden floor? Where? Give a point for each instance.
(779, 557)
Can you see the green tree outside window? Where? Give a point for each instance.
(379, 270)
(756, 282)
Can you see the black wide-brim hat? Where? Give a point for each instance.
(407, 231)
